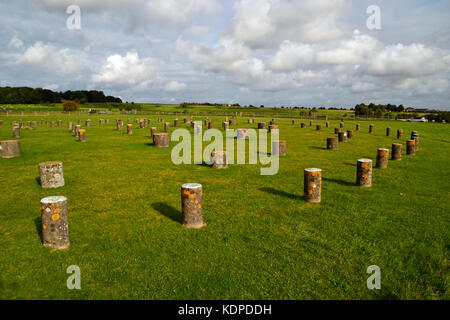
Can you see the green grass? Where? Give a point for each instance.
(262, 241)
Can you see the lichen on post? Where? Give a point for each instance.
(192, 205)
(396, 151)
(411, 147)
(219, 159)
(312, 185)
(55, 222)
(382, 158)
(82, 135)
(332, 143)
(364, 173)
(9, 149)
(51, 174)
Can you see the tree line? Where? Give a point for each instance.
(376, 109)
(26, 95)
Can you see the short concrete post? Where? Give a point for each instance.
(55, 222)
(82, 135)
(161, 140)
(166, 127)
(175, 123)
(342, 136)
(279, 148)
(399, 134)
(318, 127)
(364, 173)
(51, 174)
(396, 151)
(332, 143)
(16, 132)
(371, 128)
(358, 126)
(350, 134)
(129, 129)
(388, 132)
(192, 205)
(219, 159)
(312, 185)
(261, 125)
(382, 158)
(411, 147)
(9, 149)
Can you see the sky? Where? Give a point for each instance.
(260, 52)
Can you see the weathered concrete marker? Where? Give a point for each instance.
(219, 159)
(82, 135)
(411, 147)
(382, 158)
(161, 140)
(279, 148)
(312, 185)
(364, 173)
(51, 174)
(9, 149)
(192, 205)
(55, 222)
(332, 143)
(396, 151)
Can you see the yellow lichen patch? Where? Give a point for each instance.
(310, 191)
(313, 174)
(196, 201)
(57, 210)
(44, 226)
(199, 206)
(191, 195)
(55, 217)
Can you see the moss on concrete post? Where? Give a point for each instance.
(55, 222)
(364, 173)
(396, 151)
(382, 158)
(312, 185)
(411, 147)
(279, 148)
(332, 143)
(192, 205)
(51, 174)
(219, 159)
(161, 140)
(9, 149)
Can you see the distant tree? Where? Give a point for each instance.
(70, 105)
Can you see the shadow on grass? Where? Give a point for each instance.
(38, 224)
(319, 148)
(340, 181)
(281, 193)
(168, 211)
(349, 164)
(38, 180)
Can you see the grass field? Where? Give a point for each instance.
(262, 241)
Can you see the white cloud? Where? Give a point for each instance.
(128, 70)
(47, 57)
(175, 86)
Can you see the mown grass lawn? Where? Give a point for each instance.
(262, 241)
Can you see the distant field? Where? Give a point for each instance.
(262, 241)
